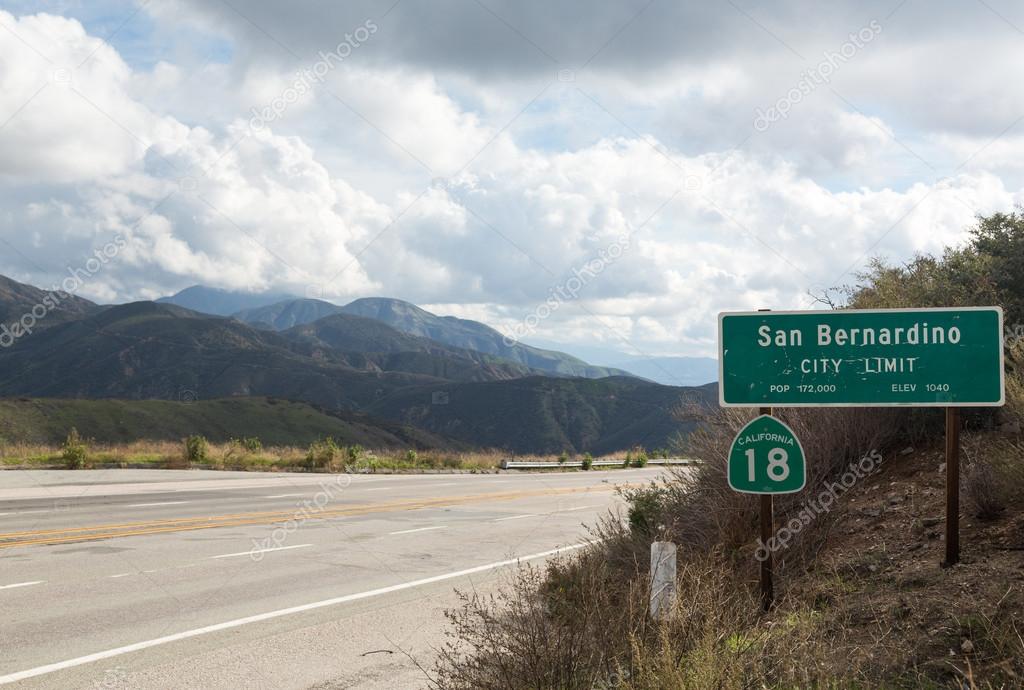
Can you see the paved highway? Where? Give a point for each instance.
(175, 579)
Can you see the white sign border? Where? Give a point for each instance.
(796, 438)
(768, 403)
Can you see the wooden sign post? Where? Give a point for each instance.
(952, 486)
(767, 532)
(948, 357)
(767, 458)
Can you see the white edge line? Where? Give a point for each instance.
(23, 584)
(284, 496)
(254, 551)
(162, 503)
(516, 517)
(418, 529)
(238, 622)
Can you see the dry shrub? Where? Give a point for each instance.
(696, 509)
(565, 628)
(580, 624)
(583, 622)
(993, 476)
(1013, 411)
(583, 625)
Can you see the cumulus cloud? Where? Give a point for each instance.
(476, 161)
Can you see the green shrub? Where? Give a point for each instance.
(588, 461)
(354, 454)
(197, 450)
(646, 508)
(322, 454)
(244, 446)
(411, 457)
(640, 458)
(74, 450)
(563, 458)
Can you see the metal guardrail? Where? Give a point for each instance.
(517, 465)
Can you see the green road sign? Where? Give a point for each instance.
(766, 458)
(867, 357)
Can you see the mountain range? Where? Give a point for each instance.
(414, 321)
(386, 360)
(208, 300)
(28, 306)
(269, 311)
(669, 370)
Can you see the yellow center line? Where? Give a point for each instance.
(97, 532)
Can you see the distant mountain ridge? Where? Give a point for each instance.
(30, 306)
(281, 316)
(219, 302)
(664, 369)
(415, 321)
(342, 363)
(472, 335)
(369, 344)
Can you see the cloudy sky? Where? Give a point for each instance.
(610, 173)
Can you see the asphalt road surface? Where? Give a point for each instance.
(177, 579)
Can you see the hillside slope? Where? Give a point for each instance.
(219, 302)
(281, 316)
(18, 300)
(148, 350)
(274, 422)
(369, 344)
(668, 370)
(472, 335)
(547, 415)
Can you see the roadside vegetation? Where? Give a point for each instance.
(250, 454)
(861, 601)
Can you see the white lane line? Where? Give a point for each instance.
(516, 517)
(23, 584)
(113, 577)
(382, 488)
(420, 529)
(31, 512)
(255, 551)
(284, 496)
(569, 510)
(162, 503)
(238, 622)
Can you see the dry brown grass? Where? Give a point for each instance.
(841, 620)
(235, 456)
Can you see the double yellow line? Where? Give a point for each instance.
(72, 535)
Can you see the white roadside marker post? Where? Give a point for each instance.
(663, 579)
